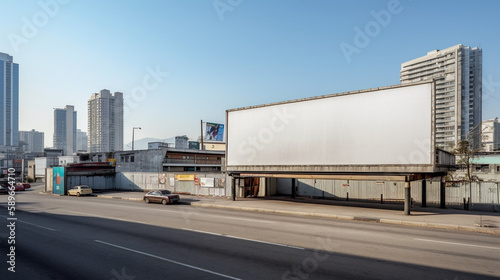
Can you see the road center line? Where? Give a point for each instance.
(167, 260)
(242, 238)
(459, 244)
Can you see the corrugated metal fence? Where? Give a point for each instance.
(166, 180)
(484, 196)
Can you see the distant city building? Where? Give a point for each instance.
(81, 140)
(105, 122)
(33, 139)
(181, 142)
(458, 74)
(157, 145)
(488, 133)
(53, 152)
(9, 101)
(65, 129)
(193, 145)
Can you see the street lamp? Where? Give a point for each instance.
(133, 130)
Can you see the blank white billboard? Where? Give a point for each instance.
(390, 126)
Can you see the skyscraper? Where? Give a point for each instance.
(65, 129)
(458, 74)
(9, 101)
(81, 141)
(33, 139)
(105, 122)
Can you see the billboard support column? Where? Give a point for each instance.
(424, 193)
(442, 193)
(233, 188)
(407, 197)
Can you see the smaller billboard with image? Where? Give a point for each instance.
(214, 132)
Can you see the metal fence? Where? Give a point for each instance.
(167, 180)
(483, 196)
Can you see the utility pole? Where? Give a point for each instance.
(133, 130)
(201, 128)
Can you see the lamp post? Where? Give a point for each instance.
(133, 130)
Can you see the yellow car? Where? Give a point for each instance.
(80, 190)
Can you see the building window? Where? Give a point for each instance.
(482, 168)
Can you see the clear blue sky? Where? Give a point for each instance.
(225, 54)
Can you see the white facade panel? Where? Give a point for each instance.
(381, 127)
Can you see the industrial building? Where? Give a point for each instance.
(458, 74)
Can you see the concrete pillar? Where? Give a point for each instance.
(424, 193)
(407, 198)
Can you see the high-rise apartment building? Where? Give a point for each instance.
(81, 140)
(105, 122)
(65, 129)
(33, 140)
(9, 101)
(458, 74)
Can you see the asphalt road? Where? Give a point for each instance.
(93, 238)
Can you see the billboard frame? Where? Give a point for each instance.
(433, 166)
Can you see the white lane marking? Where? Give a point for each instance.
(246, 219)
(167, 260)
(459, 244)
(47, 228)
(242, 238)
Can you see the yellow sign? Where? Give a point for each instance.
(184, 177)
(112, 161)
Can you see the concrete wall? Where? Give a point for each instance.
(144, 161)
(50, 178)
(41, 163)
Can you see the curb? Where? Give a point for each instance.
(492, 231)
(117, 197)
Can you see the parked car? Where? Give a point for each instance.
(161, 196)
(80, 190)
(19, 187)
(26, 185)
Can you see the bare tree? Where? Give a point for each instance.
(465, 154)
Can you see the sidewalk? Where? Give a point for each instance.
(451, 219)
